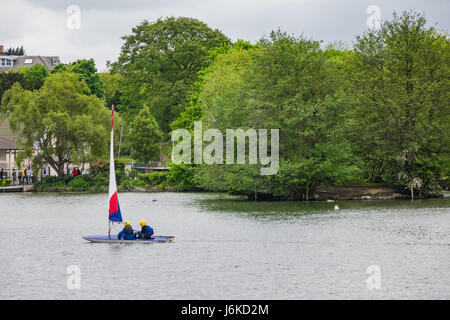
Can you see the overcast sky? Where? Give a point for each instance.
(50, 27)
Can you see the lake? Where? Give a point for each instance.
(225, 248)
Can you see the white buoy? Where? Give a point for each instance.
(336, 207)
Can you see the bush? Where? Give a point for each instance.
(125, 186)
(102, 166)
(52, 183)
(139, 183)
(133, 173)
(5, 182)
(182, 177)
(81, 183)
(153, 178)
(100, 182)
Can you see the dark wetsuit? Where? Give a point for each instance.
(126, 233)
(146, 232)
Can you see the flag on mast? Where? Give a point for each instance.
(114, 208)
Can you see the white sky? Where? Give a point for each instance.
(41, 25)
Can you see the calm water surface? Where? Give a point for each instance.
(225, 248)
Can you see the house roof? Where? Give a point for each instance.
(6, 134)
(48, 61)
(7, 145)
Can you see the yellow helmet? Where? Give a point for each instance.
(127, 223)
(142, 223)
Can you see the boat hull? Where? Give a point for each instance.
(114, 239)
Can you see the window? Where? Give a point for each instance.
(28, 61)
(6, 62)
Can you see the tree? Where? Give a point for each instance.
(34, 76)
(281, 83)
(88, 72)
(7, 79)
(58, 124)
(29, 78)
(160, 61)
(112, 90)
(19, 51)
(145, 136)
(399, 75)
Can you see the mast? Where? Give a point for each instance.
(114, 208)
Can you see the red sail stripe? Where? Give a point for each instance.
(113, 203)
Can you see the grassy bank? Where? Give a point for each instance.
(153, 181)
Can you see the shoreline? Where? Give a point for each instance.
(328, 194)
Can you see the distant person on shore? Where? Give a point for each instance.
(127, 232)
(146, 231)
(30, 175)
(24, 175)
(14, 176)
(75, 172)
(1, 174)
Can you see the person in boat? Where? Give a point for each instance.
(127, 232)
(146, 231)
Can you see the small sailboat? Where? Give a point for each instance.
(115, 215)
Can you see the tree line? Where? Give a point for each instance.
(374, 112)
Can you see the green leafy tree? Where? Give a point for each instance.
(29, 78)
(160, 61)
(59, 123)
(7, 79)
(112, 91)
(88, 72)
(282, 83)
(145, 136)
(34, 76)
(399, 75)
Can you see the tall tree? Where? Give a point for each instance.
(159, 62)
(112, 91)
(145, 136)
(400, 76)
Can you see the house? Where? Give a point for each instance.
(13, 62)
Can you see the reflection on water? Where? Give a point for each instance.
(225, 248)
(217, 202)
